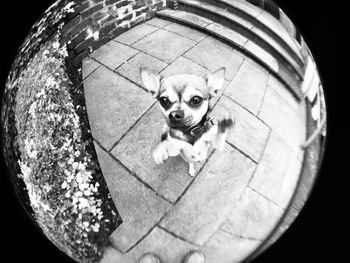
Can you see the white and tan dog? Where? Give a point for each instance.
(184, 102)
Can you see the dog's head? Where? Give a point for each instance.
(184, 98)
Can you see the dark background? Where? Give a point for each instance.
(317, 233)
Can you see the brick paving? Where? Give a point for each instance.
(238, 195)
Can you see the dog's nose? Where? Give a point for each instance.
(176, 116)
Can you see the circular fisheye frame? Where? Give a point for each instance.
(163, 130)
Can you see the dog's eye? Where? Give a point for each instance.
(165, 102)
(196, 101)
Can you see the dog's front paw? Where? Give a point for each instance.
(226, 122)
(191, 170)
(160, 154)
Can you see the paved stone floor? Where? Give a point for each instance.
(238, 195)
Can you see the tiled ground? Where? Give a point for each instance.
(237, 195)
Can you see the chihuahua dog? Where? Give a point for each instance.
(184, 102)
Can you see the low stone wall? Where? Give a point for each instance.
(95, 22)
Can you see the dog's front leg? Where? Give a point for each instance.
(191, 170)
(219, 141)
(160, 153)
(224, 124)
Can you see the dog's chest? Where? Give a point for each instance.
(192, 152)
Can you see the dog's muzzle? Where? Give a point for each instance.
(176, 117)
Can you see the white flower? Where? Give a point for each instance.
(45, 207)
(83, 202)
(83, 186)
(95, 227)
(68, 8)
(64, 185)
(32, 154)
(26, 171)
(75, 165)
(56, 45)
(92, 34)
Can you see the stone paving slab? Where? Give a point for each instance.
(212, 196)
(89, 65)
(222, 247)
(249, 134)
(249, 85)
(277, 174)
(284, 115)
(213, 54)
(111, 109)
(111, 255)
(135, 151)
(226, 248)
(165, 45)
(113, 54)
(185, 31)
(139, 207)
(183, 65)
(158, 22)
(131, 69)
(169, 248)
(254, 217)
(162, 243)
(138, 32)
(280, 90)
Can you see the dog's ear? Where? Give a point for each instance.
(215, 81)
(151, 80)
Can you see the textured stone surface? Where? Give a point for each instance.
(89, 65)
(278, 172)
(158, 22)
(185, 31)
(165, 210)
(248, 86)
(228, 33)
(212, 196)
(165, 45)
(249, 134)
(110, 107)
(135, 151)
(186, 16)
(131, 69)
(224, 247)
(254, 217)
(213, 54)
(223, 13)
(139, 207)
(245, 6)
(183, 65)
(262, 55)
(276, 26)
(169, 248)
(284, 115)
(138, 32)
(113, 54)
